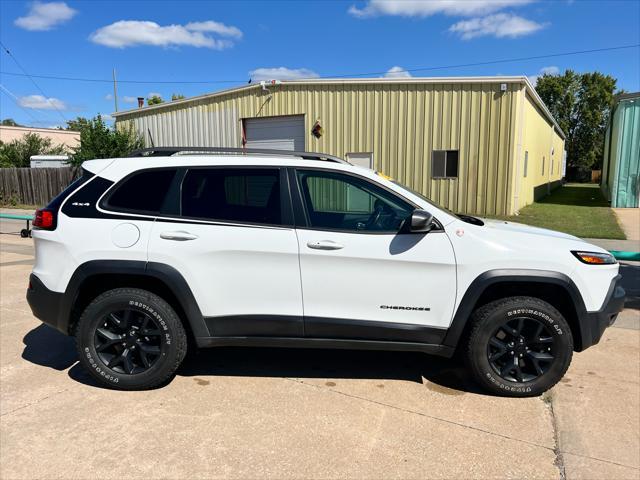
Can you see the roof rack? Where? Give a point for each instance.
(169, 151)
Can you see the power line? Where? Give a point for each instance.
(506, 60)
(15, 99)
(48, 100)
(417, 69)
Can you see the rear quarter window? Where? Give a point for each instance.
(62, 196)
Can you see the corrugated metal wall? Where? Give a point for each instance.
(626, 152)
(401, 123)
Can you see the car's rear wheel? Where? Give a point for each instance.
(130, 339)
(519, 346)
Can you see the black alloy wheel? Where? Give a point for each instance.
(521, 349)
(128, 341)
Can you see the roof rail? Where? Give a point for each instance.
(169, 151)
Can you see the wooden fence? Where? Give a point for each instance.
(33, 186)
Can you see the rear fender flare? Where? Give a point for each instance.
(158, 271)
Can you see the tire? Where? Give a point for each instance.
(510, 346)
(130, 339)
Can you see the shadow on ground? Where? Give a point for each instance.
(49, 348)
(46, 347)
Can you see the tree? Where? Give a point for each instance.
(9, 122)
(78, 124)
(154, 100)
(18, 152)
(176, 96)
(581, 104)
(98, 140)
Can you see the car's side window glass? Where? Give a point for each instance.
(143, 192)
(242, 195)
(336, 201)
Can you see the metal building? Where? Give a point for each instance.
(621, 163)
(482, 145)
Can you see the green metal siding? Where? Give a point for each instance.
(401, 123)
(621, 174)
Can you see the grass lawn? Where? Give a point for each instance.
(577, 209)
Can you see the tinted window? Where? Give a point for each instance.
(143, 192)
(237, 195)
(342, 202)
(444, 164)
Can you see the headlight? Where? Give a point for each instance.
(594, 258)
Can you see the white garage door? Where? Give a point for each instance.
(276, 133)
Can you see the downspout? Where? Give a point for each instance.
(516, 190)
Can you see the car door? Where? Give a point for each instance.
(361, 277)
(232, 239)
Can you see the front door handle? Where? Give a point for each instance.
(179, 236)
(325, 245)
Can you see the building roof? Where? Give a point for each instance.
(523, 80)
(627, 96)
(39, 130)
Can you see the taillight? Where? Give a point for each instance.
(44, 220)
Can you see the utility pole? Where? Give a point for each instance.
(115, 89)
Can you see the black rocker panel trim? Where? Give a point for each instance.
(317, 327)
(255, 325)
(158, 271)
(486, 279)
(329, 343)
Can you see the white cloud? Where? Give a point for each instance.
(154, 94)
(426, 8)
(108, 96)
(499, 25)
(214, 27)
(45, 16)
(129, 33)
(38, 102)
(281, 73)
(127, 99)
(550, 70)
(397, 72)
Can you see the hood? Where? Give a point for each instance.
(522, 228)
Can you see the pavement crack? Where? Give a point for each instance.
(547, 398)
(34, 403)
(422, 414)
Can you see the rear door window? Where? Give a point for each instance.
(143, 192)
(242, 195)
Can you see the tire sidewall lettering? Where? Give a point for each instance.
(538, 314)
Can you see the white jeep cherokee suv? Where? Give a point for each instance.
(266, 248)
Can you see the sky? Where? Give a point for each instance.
(227, 43)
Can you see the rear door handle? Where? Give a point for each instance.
(179, 236)
(325, 245)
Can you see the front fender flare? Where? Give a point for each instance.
(491, 277)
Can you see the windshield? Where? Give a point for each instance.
(464, 218)
(418, 194)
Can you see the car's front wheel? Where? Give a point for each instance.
(519, 346)
(130, 339)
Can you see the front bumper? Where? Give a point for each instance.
(593, 324)
(45, 304)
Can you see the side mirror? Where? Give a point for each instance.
(421, 221)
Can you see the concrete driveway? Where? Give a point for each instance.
(254, 413)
